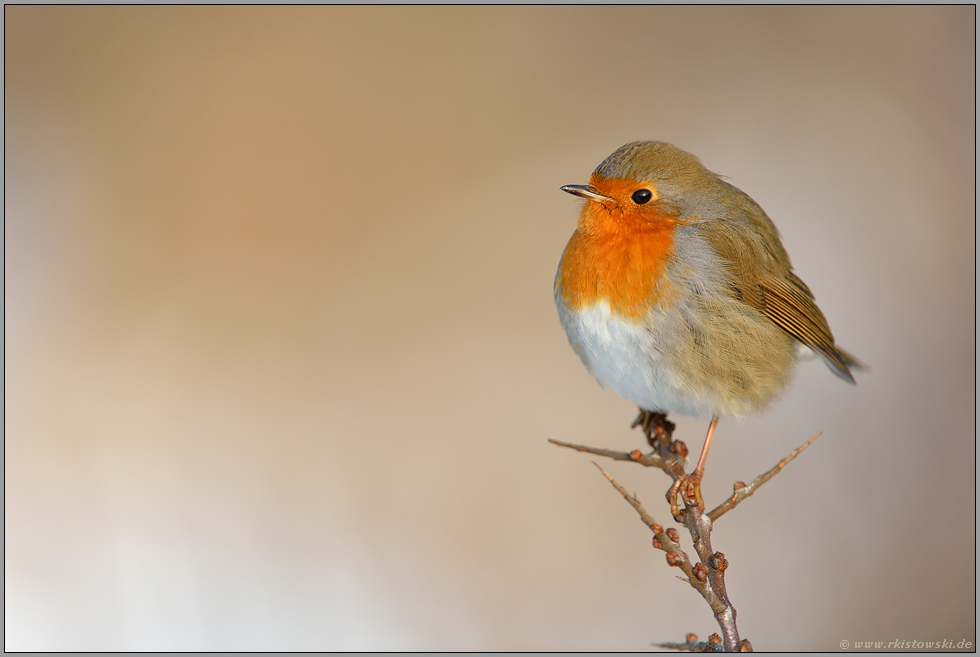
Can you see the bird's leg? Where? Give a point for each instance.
(659, 432)
(692, 482)
(699, 470)
(657, 429)
(645, 421)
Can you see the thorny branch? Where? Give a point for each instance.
(707, 576)
(667, 540)
(713, 644)
(742, 491)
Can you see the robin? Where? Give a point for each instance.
(677, 293)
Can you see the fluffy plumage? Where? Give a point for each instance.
(686, 302)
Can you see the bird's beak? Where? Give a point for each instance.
(588, 192)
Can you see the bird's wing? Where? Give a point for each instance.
(788, 302)
(762, 277)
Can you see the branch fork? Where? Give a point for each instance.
(707, 575)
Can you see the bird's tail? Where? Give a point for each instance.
(848, 361)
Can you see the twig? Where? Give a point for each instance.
(636, 456)
(666, 540)
(713, 644)
(707, 576)
(691, 644)
(699, 525)
(742, 491)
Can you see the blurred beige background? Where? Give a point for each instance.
(281, 356)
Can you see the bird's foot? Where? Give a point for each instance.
(656, 427)
(688, 487)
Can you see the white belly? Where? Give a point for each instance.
(625, 357)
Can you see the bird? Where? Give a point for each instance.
(676, 292)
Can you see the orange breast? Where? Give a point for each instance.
(618, 259)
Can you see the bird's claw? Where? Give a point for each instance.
(655, 426)
(688, 486)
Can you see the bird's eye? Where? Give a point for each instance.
(642, 196)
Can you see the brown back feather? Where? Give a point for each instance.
(762, 277)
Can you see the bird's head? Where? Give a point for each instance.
(644, 184)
